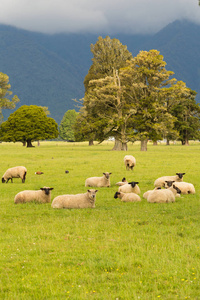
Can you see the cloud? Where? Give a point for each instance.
(105, 16)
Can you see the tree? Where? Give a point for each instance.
(5, 93)
(66, 129)
(28, 124)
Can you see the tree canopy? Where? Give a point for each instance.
(28, 124)
(5, 93)
(66, 129)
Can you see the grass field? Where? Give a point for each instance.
(116, 250)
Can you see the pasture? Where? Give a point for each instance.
(114, 251)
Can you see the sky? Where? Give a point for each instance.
(97, 16)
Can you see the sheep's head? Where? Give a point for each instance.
(46, 190)
(92, 194)
(3, 180)
(107, 175)
(168, 183)
(123, 179)
(116, 195)
(133, 183)
(180, 175)
(177, 189)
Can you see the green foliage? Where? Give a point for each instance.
(66, 129)
(116, 250)
(28, 124)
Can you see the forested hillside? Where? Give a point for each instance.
(49, 70)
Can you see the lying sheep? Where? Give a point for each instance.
(124, 181)
(185, 187)
(15, 172)
(145, 195)
(41, 196)
(86, 200)
(160, 182)
(103, 181)
(131, 187)
(129, 161)
(163, 195)
(127, 197)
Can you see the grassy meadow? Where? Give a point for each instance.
(116, 250)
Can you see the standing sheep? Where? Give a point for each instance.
(131, 187)
(129, 161)
(103, 181)
(185, 187)
(15, 172)
(86, 200)
(127, 197)
(160, 182)
(41, 196)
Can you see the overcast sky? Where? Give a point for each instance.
(97, 16)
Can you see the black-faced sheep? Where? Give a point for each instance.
(129, 161)
(163, 195)
(131, 187)
(185, 187)
(41, 196)
(127, 197)
(103, 181)
(160, 182)
(86, 200)
(15, 172)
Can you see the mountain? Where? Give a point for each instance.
(49, 70)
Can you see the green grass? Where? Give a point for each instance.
(114, 251)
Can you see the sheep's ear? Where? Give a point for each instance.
(136, 182)
(42, 189)
(51, 189)
(110, 173)
(88, 190)
(96, 191)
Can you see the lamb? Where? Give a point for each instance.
(127, 197)
(86, 200)
(160, 182)
(15, 172)
(124, 181)
(103, 181)
(131, 187)
(41, 196)
(163, 195)
(129, 161)
(185, 187)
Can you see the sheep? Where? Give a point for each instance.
(103, 181)
(41, 196)
(129, 161)
(124, 181)
(145, 195)
(131, 187)
(160, 182)
(163, 195)
(185, 187)
(127, 197)
(86, 200)
(15, 172)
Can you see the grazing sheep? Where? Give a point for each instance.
(15, 172)
(129, 161)
(160, 182)
(163, 195)
(131, 187)
(41, 196)
(124, 181)
(86, 200)
(127, 197)
(185, 187)
(103, 181)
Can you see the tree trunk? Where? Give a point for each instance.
(143, 145)
(24, 144)
(155, 143)
(119, 146)
(91, 143)
(29, 143)
(167, 142)
(38, 143)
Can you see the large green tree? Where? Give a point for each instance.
(28, 124)
(66, 129)
(5, 94)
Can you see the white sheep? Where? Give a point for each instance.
(124, 181)
(129, 161)
(86, 200)
(145, 195)
(127, 197)
(185, 187)
(103, 181)
(163, 195)
(15, 172)
(131, 187)
(41, 196)
(160, 182)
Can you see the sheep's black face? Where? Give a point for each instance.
(177, 189)
(3, 180)
(169, 183)
(180, 175)
(46, 190)
(116, 195)
(133, 183)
